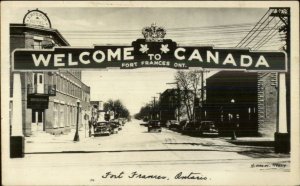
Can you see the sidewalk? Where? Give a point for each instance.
(251, 141)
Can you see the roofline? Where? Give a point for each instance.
(55, 31)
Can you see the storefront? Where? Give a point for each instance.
(48, 97)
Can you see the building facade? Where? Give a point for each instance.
(232, 102)
(60, 89)
(173, 105)
(267, 103)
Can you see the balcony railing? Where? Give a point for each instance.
(47, 89)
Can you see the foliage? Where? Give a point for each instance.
(117, 106)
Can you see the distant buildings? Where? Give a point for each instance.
(246, 101)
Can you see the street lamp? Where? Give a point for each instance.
(76, 137)
(233, 137)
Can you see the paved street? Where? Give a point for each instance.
(133, 148)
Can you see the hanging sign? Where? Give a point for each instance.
(152, 51)
(37, 101)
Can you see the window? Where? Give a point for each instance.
(41, 79)
(62, 116)
(55, 115)
(58, 83)
(37, 44)
(34, 78)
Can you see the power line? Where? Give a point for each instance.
(267, 40)
(258, 32)
(267, 34)
(258, 23)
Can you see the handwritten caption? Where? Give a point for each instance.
(137, 175)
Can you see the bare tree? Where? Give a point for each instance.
(189, 84)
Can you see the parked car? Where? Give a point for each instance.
(102, 128)
(145, 119)
(114, 127)
(190, 127)
(172, 124)
(207, 127)
(122, 121)
(154, 125)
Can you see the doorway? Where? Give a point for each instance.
(37, 122)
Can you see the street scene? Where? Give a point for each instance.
(103, 96)
(168, 147)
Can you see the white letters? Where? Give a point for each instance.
(229, 60)
(58, 60)
(215, 57)
(243, 62)
(81, 58)
(97, 60)
(41, 57)
(127, 53)
(112, 55)
(70, 62)
(176, 53)
(195, 55)
(262, 61)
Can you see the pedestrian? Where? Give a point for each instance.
(90, 126)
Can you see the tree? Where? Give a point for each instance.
(145, 111)
(120, 111)
(189, 84)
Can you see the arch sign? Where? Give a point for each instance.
(152, 51)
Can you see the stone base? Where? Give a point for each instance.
(16, 147)
(282, 142)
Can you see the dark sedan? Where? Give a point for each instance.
(102, 128)
(154, 126)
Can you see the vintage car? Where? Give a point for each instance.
(154, 126)
(102, 128)
(172, 124)
(207, 127)
(122, 121)
(114, 125)
(190, 127)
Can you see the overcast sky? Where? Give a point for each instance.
(89, 26)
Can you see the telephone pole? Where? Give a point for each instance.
(282, 135)
(154, 110)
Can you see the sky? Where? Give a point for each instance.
(91, 26)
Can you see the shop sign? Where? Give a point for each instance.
(152, 51)
(37, 101)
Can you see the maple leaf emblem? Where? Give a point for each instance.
(144, 48)
(164, 48)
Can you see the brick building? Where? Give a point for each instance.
(255, 101)
(62, 88)
(267, 103)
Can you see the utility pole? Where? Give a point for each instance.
(282, 137)
(159, 106)
(153, 110)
